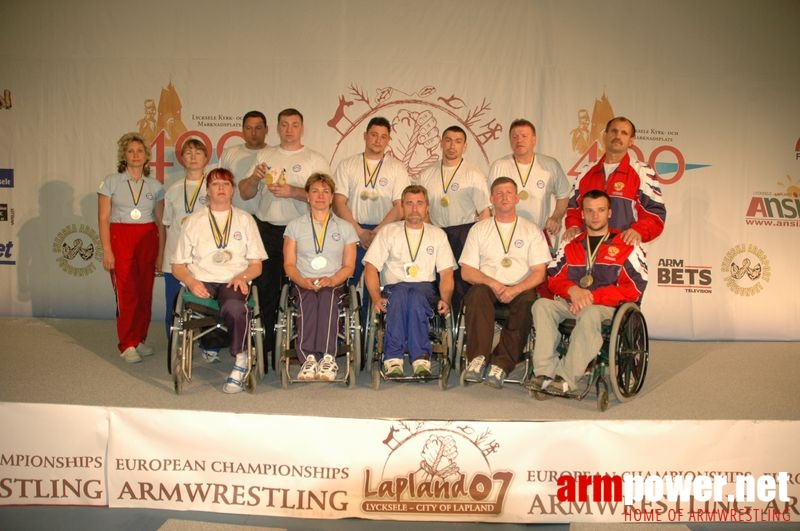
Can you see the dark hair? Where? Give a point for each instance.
(503, 180)
(596, 194)
(454, 129)
(380, 121)
(621, 119)
(415, 189)
(522, 122)
(254, 114)
(219, 174)
(290, 112)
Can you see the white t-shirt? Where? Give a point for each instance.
(239, 159)
(467, 193)
(391, 253)
(196, 245)
(176, 201)
(484, 249)
(546, 180)
(387, 185)
(298, 167)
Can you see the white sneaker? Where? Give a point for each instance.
(235, 382)
(130, 355)
(144, 350)
(327, 369)
(475, 369)
(422, 368)
(393, 367)
(309, 369)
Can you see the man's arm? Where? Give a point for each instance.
(475, 276)
(446, 287)
(341, 209)
(373, 285)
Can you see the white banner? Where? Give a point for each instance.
(426, 470)
(52, 454)
(717, 121)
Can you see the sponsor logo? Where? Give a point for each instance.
(747, 268)
(417, 117)
(6, 178)
(6, 213)
(436, 468)
(6, 253)
(587, 141)
(78, 250)
(674, 273)
(775, 209)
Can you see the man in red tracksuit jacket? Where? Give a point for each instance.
(636, 202)
(590, 276)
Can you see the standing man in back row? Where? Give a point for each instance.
(538, 178)
(278, 178)
(637, 208)
(241, 158)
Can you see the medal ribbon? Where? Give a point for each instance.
(415, 252)
(591, 255)
(220, 236)
(136, 196)
(527, 175)
(319, 242)
(446, 187)
(188, 204)
(506, 246)
(371, 178)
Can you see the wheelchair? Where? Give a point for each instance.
(442, 345)
(622, 360)
(349, 338)
(521, 374)
(195, 318)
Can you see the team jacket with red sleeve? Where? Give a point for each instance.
(619, 270)
(636, 200)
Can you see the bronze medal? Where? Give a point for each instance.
(506, 262)
(586, 280)
(364, 195)
(523, 195)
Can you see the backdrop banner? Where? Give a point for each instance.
(716, 120)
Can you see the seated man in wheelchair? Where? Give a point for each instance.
(219, 252)
(319, 255)
(408, 254)
(590, 276)
(504, 259)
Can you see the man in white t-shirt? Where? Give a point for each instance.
(408, 255)
(505, 258)
(241, 158)
(278, 177)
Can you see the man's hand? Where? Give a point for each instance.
(631, 237)
(552, 225)
(380, 305)
(442, 307)
(579, 299)
(570, 233)
(365, 237)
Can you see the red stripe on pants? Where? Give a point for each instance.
(135, 248)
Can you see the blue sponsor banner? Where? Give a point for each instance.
(6, 178)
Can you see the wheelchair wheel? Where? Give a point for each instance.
(628, 352)
(257, 335)
(376, 374)
(252, 379)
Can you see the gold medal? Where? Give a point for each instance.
(445, 201)
(413, 270)
(505, 262)
(268, 178)
(523, 195)
(586, 280)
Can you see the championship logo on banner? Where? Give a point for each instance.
(748, 270)
(418, 119)
(78, 250)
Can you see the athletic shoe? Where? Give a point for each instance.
(327, 369)
(144, 350)
(542, 382)
(309, 369)
(235, 382)
(475, 369)
(495, 377)
(130, 355)
(393, 367)
(559, 385)
(422, 368)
